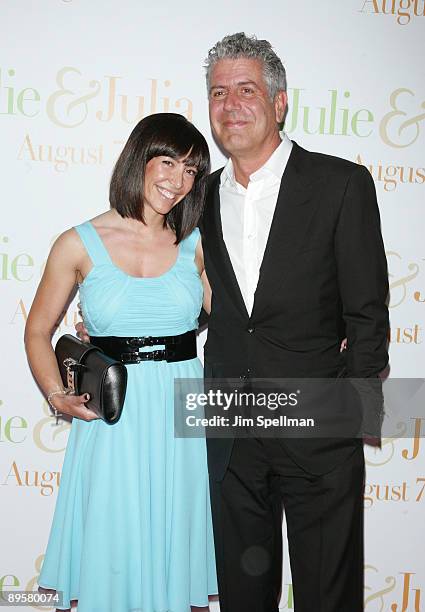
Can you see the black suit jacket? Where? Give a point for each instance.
(323, 277)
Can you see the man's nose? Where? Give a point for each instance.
(231, 101)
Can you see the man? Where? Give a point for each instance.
(295, 259)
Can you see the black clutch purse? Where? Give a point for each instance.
(85, 368)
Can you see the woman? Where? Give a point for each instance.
(132, 526)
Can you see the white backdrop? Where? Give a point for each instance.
(75, 77)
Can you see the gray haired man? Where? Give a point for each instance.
(294, 256)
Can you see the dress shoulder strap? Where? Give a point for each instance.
(93, 243)
(188, 245)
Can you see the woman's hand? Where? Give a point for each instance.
(82, 332)
(343, 345)
(73, 405)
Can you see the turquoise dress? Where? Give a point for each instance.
(132, 526)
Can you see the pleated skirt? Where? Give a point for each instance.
(132, 528)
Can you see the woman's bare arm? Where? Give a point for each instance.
(52, 297)
(199, 259)
(207, 293)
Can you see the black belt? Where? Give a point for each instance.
(177, 348)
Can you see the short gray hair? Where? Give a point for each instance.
(235, 46)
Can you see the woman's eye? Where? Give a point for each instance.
(191, 171)
(167, 162)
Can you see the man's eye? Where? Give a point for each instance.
(167, 162)
(247, 90)
(218, 93)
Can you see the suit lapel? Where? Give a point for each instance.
(213, 229)
(288, 229)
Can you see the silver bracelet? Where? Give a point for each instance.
(56, 414)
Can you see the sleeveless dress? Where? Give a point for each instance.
(132, 527)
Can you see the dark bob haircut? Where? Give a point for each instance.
(167, 134)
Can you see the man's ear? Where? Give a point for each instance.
(280, 102)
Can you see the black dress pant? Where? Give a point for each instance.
(324, 516)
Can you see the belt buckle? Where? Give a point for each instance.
(157, 355)
(141, 342)
(130, 358)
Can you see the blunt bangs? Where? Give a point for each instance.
(184, 142)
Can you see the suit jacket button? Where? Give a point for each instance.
(251, 330)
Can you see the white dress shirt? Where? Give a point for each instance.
(246, 216)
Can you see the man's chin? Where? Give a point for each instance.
(236, 143)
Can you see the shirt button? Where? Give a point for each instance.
(250, 236)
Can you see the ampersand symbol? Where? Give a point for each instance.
(396, 116)
(63, 93)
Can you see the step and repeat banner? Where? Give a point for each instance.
(75, 77)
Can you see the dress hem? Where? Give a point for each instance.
(196, 605)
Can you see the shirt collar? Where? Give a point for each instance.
(274, 166)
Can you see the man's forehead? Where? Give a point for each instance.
(238, 70)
